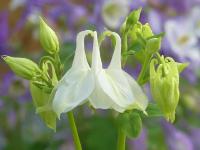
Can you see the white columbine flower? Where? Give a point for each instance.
(114, 12)
(182, 39)
(103, 88)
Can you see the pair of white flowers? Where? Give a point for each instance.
(110, 88)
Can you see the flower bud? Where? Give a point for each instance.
(153, 45)
(164, 82)
(48, 38)
(146, 30)
(22, 67)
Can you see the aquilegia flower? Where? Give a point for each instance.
(103, 88)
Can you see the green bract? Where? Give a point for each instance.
(42, 102)
(130, 123)
(48, 38)
(164, 81)
(22, 67)
(132, 19)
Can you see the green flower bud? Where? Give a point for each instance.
(164, 82)
(153, 45)
(133, 18)
(22, 67)
(48, 38)
(146, 31)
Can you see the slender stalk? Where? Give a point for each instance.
(74, 130)
(124, 48)
(121, 143)
(143, 71)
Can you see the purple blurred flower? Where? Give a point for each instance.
(156, 20)
(4, 33)
(5, 84)
(15, 88)
(135, 4)
(1, 104)
(12, 118)
(179, 6)
(141, 142)
(195, 137)
(31, 6)
(172, 6)
(176, 139)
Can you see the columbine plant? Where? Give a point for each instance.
(55, 92)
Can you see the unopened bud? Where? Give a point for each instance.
(164, 81)
(22, 67)
(153, 45)
(48, 38)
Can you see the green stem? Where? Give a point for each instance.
(143, 71)
(124, 48)
(121, 143)
(58, 65)
(74, 130)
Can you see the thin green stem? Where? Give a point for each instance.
(121, 143)
(74, 130)
(58, 65)
(124, 48)
(140, 79)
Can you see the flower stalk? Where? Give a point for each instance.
(121, 143)
(74, 130)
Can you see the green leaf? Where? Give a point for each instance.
(43, 99)
(182, 66)
(133, 19)
(67, 55)
(91, 132)
(160, 35)
(153, 110)
(130, 123)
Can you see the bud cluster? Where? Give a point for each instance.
(164, 82)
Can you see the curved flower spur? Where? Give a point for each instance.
(114, 88)
(104, 88)
(77, 84)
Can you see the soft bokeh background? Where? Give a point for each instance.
(22, 129)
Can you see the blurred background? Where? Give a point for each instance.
(22, 129)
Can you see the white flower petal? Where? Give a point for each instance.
(129, 88)
(77, 84)
(116, 58)
(99, 99)
(112, 84)
(72, 93)
(80, 60)
(141, 100)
